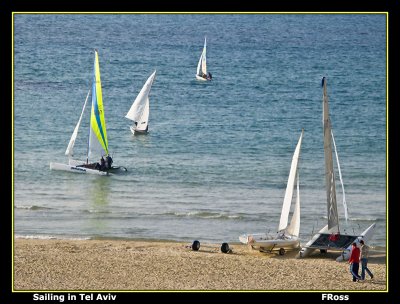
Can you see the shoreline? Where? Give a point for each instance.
(137, 265)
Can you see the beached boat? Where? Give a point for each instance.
(98, 142)
(140, 109)
(201, 73)
(287, 236)
(330, 237)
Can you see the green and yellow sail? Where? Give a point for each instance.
(98, 143)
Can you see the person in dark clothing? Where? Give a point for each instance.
(109, 162)
(102, 164)
(209, 76)
(354, 262)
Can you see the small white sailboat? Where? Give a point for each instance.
(140, 109)
(98, 142)
(201, 73)
(287, 236)
(329, 237)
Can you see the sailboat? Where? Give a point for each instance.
(329, 237)
(140, 109)
(98, 142)
(287, 236)
(201, 73)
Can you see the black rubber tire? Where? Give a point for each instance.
(225, 247)
(196, 245)
(281, 251)
(323, 251)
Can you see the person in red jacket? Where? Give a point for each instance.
(354, 262)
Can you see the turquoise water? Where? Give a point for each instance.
(217, 158)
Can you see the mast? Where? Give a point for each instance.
(333, 219)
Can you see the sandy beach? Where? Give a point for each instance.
(148, 265)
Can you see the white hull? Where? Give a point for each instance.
(137, 132)
(366, 236)
(75, 169)
(266, 242)
(310, 247)
(201, 78)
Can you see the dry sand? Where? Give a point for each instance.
(95, 265)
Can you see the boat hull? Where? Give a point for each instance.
(138, 132)
(267, 242)
(76, 169)
(201, 78)
(322, 242)
(366, 235)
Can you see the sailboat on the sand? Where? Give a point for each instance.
(201, 72)
(140, 109)
(98, 160)
(330, 237)
(287, 236)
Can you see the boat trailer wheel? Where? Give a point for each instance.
(281, 251)
(196, 245)
(225, 248)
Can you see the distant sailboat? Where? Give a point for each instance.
(329, 237)
(287, 236)
(140, 109)
(201, 73)
(98, 142)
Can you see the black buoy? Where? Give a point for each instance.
(225, 248)
(196, 245)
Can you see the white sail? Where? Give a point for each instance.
(139, 111)
(143, 121)
(294, 227)
(202, 65)
(287, 201)
(70, 149)
(341, 179)
(333, 219)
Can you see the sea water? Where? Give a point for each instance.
(216, 160)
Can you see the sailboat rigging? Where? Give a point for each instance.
(287, 236)
(330, 237)
(98, 142)
(140, 109)
(201, 73)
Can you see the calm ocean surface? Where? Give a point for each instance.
(216, 161)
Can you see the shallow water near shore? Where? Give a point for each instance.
(216, 160)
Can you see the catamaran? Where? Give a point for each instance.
(98, 142)
(329, 237)
(201, 73)
(140, 109)
(287, 236)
